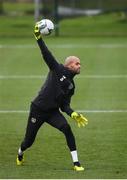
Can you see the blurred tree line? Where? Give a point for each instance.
(1, 6)
(47, 6)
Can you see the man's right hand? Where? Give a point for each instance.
(37, 33)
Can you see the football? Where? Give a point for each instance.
(45, 26)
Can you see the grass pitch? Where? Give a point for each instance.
(100, 92)
(100, 86)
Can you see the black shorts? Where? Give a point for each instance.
(37, 117)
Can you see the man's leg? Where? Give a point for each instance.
(58, 121)
(35, 121)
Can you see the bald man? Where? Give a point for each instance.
(54, 97)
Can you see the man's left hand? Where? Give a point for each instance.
(81, 120)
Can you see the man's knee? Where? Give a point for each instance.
(65, 128)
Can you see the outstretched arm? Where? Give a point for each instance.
(47, 55)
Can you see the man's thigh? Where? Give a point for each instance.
(35, 120)
(57, 120)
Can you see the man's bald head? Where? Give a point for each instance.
(73, 63)
(71, 59)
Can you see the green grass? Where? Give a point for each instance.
(101, 145)
(102, 149)
(18, 8)
(114, 24)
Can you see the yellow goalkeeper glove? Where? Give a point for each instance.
(81, 120)
(37, 33)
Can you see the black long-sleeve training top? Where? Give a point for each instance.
(59, 86)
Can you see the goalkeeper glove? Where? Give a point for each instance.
(81, 120)
(37, 33)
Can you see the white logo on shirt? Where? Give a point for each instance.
(62, 79)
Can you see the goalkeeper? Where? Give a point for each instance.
(55, 95)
